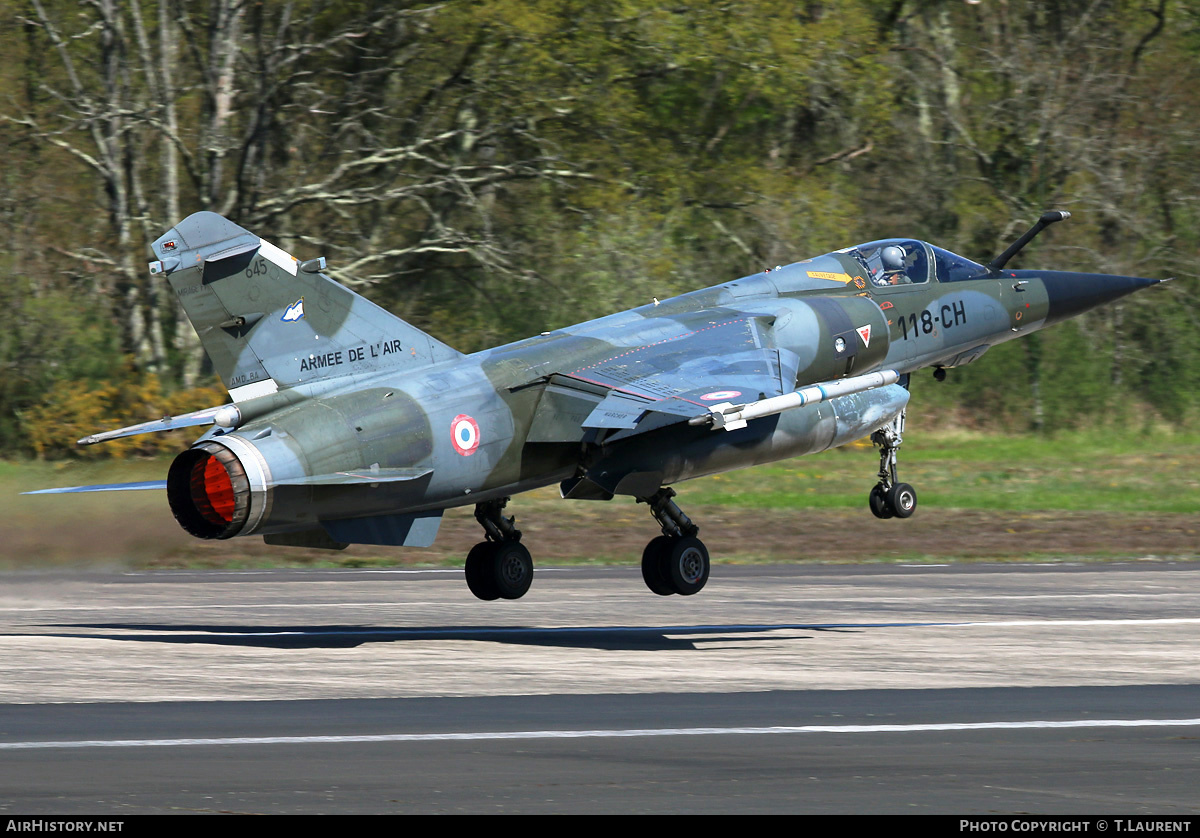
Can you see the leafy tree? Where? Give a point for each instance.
(493, 168)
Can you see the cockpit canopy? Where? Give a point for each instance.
(908, 262)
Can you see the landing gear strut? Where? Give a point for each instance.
(891, 498)
(500, 567)
(675, 562)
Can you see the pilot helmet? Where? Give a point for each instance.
(892, 258)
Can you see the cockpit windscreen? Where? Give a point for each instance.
(951, 267)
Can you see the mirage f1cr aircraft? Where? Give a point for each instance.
(350, 426)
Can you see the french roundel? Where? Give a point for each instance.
(464, 433)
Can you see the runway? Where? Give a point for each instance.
(1051, 689)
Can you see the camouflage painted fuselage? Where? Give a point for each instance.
(354, 424)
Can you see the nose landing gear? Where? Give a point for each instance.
(891, 498)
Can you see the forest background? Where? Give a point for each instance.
(492, 169)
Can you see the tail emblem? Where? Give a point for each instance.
(294, 312)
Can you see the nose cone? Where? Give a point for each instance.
(1070, 294)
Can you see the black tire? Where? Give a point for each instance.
(878, 501)
(512, 570)
(903, 500)
(687, 565)
(654, 566)
(480, 575)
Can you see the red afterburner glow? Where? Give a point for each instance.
(212, 491)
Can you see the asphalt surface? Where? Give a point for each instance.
(1047, 689)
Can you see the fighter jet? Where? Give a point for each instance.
(348, 425)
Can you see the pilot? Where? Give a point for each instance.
(894, 266)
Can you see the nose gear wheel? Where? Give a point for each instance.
(890, 498)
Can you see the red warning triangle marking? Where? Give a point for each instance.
(864, 332)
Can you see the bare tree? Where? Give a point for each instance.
(362, 127)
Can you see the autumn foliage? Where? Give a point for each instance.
(52, 427)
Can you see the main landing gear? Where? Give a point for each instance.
(890, 498)
(675, 562)
(500, 567)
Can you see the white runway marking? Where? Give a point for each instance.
(1160, 621)
(595, 734)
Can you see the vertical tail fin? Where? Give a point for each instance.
(269, 322)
